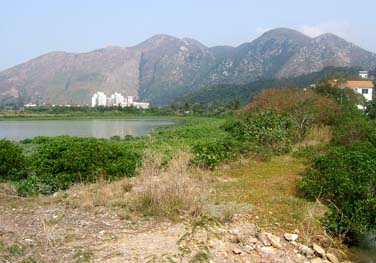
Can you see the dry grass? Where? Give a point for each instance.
(270, 187)
(161, 189)
(171, 190)
(98, 194)
(317, 135)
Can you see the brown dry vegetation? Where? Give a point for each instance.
(97, 222)
(169, 190)
(271, 188)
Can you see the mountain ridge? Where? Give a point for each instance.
(164, 67)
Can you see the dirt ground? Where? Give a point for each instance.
(91, 223)
(44, 230)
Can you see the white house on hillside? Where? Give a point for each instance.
(364, 87)
(363, 74)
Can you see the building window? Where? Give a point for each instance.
(364, 91)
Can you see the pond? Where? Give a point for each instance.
(103, 128)
(365, 250)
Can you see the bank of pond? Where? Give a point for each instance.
(337, 141)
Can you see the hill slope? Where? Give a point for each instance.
(227, 93)
(163, 67)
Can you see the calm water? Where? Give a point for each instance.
(365, 251)
(19, 130)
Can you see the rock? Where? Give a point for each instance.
(264, 239)
(290, 237)
(237, 251)
(216, 243)
(235, 231)
(249, 248)
(316, 260)
(252, 240)
(319, 250)
(268, 239)
(294, 243)
(274, 240)
(332, 258)
(234, 239)
(306, 251)
(267, 250)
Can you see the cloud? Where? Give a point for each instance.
(312, 31)
(262, 30)
(340, 28)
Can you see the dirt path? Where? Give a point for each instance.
(64, 228)
(56, 232)
(61, 233)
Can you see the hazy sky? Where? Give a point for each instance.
(29, 28)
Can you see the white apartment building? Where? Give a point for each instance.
(116, 99)
(129, 101)
(141, 105)
(99, 99)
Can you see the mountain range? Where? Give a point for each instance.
(163, 67)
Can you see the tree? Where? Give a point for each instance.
(304, 105)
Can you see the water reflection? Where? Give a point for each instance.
(365, 252)
(19, 130)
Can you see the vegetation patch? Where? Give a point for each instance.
(59, 162)
(345, 179)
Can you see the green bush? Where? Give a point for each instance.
(309, 152)
(345, 179)
(59, 162)
(210, 154)
(35, 185)
(12, 161)
(354, 129)
(266, 129)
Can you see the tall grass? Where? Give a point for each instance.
(163, 188)
(172, 190)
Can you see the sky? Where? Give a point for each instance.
(29, 28)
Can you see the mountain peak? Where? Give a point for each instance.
(161, 38)
(284, 33)
(332, 40)
(329, 36)
(157, 40)
(164, 67)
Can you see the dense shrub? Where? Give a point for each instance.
(209, 154)
(267, 128)
(354, 128)
(59, 162)
(306, 107)
(12, 161)
(262, 133)
(345, 179)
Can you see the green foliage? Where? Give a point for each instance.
(264, 133)
(345, 178)
(12, 161)
(308, 152)
(304, 106)
(345, 97)
(371, 109)
(209, 154)
(267, 128)
(59, 162)
(353, 129)
(224, 94)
